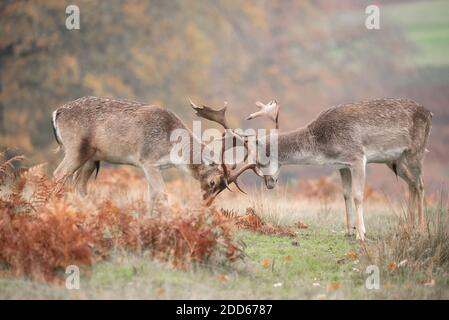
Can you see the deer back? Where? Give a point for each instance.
(116, 130)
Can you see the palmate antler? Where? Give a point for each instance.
(270, 110)
(215, 115)
(219, 116)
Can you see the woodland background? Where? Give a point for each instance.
(308, 54)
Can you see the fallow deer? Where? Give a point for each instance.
(349, 136)
(92, 129)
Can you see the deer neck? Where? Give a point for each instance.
(197, 170)
(297, 147)
(196, 165)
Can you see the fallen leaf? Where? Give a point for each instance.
(387, 285)
(287, 258)
(315, 284)
(392, 266)
(266, 263)
(351, 254)
(341, 261)
(301, 225)
(222, 278)
(160, 291)
(333, 286)
(277, 285)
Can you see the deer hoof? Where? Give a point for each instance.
(360, 236)
(349, 234)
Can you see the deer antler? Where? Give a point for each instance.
(270, 110)
(219, 116)
(233, 177)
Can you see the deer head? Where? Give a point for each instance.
(212, 183)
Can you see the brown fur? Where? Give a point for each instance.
(390, 131)
(93, 129)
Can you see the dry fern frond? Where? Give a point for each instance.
(9, 164)
(251, 221)
(42, 233)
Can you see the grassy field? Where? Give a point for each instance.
(320, 262)
(273, 269)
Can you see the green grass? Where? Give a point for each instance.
(426, 25)
(313, 259)
(301, 268)
(310, 266)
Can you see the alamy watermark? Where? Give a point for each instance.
(372, 21)
(72, 22)
(72, 281)
(372, 281)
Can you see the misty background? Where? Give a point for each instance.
(308, 54)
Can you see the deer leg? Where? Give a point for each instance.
(416, 172)
(76, 154)
(421, 217)
(82, 176)
(412, 193)
(156, 186)
(358, 186)
(346, 181)
(403, 171)
(68, 166)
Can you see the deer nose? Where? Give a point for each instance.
(269, 182)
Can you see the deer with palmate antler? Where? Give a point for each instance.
(348, 137)
(92, 129)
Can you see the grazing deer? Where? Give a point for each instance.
(92, 129)
(347, 137)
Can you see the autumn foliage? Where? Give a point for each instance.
(42, 232)
(252, 222)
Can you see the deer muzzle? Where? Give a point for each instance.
(270, 182)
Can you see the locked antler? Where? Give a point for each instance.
(219, 116)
